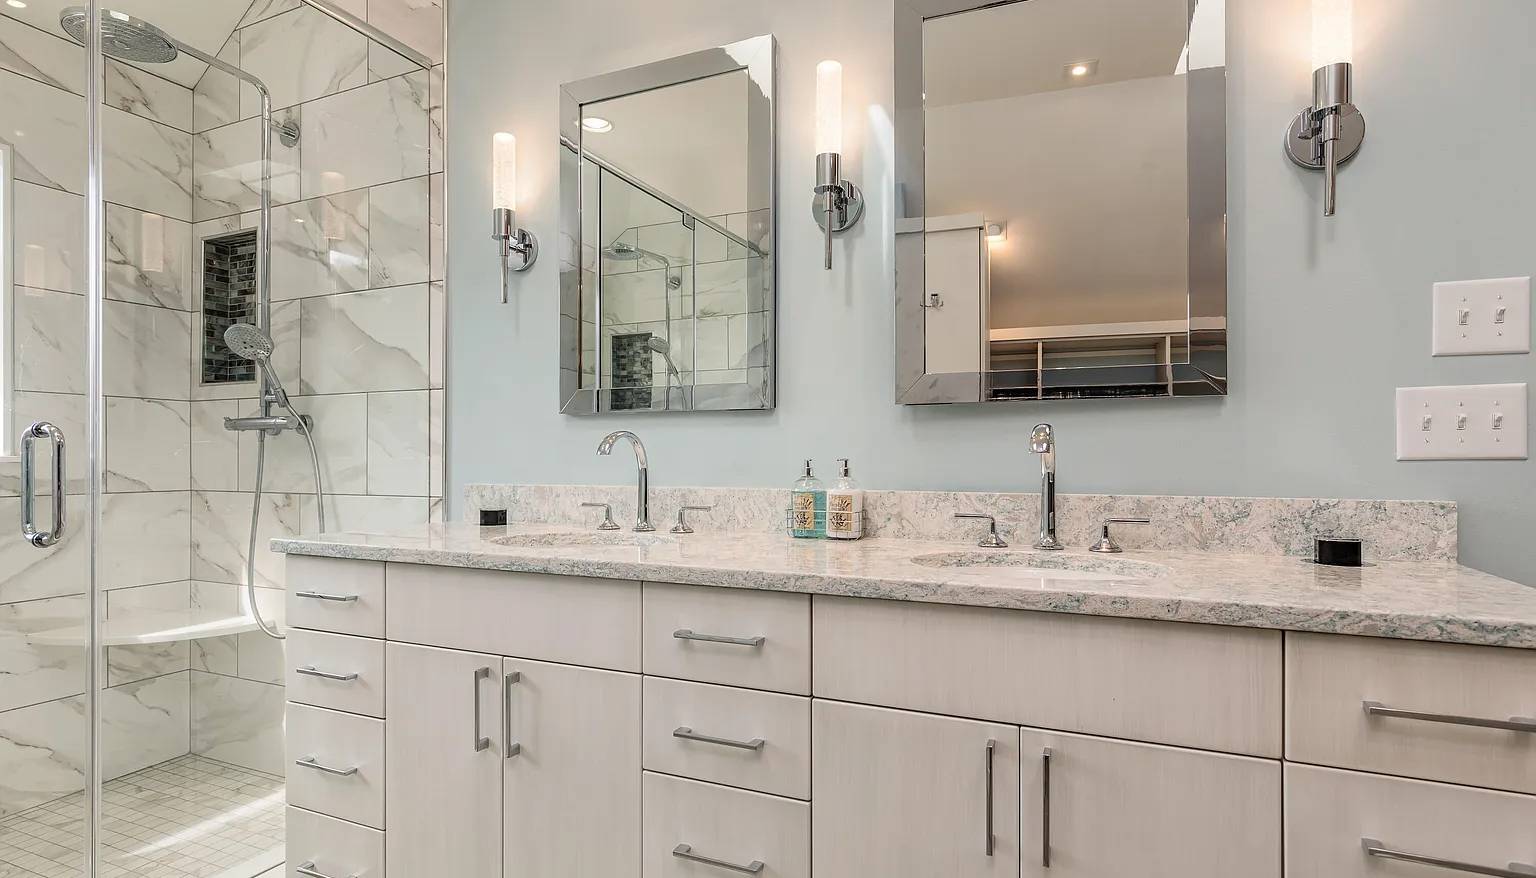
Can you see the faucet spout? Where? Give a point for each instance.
(1042, 441)
(643, 481)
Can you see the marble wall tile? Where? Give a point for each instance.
(367, 136)
(383, 63)
(238, 721)
(215, 451)
(751, 339)
(398, 443)
(374, 340)
(437, 419)
(53, 126)
(27, 574)
(129, 664)
(261, 658)
(146, 95)
(50, 341)
(263, 9)
(437, 342)
(216, 98)
(437, 120)
(67, 412)
(341, 438)
(35, 674)
(146, 351)
(228, 170)
(146, 165)
(38, 55)
(216, 655)
(148, 445)
(144, 723)
(708, 244)
(221, 529)
(301, 55)
(635, 297)
(320, 246)
(437, 210)
(720, 288)
(673, 241)
(42, 750)
(149, 258)
(49, 243)
(378, 514)
(417, 23)
(145, 538)
(399, 234)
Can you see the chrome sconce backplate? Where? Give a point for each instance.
(838, 204)
(1330, 132)
(515, 242)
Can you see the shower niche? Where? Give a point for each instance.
(229, 297)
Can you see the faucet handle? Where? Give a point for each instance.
(682, 518)
(608, 522)
(991, 540)
(1106, 544)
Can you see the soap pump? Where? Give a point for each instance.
(808, 506)
(845, 507)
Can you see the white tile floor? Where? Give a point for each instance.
(189, 817)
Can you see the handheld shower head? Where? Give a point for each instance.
(122, 35)
(250, 343)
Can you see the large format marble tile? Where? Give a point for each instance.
(144, 94)
(437, 420)
(146, 538)
(417, 23)
(221, 529)
(341, 438)
(42, 751)
(398, 443)
(129, 664)
(50, 341)
(28, 574)
(261, 658)
(146, 165)
(437, 343)
(238, 721)
(320, 246)
(263, 9)
(49, 238)
(149, 258)
(41, 56)
(144, 723)
(216, 98)
(148, 445)
(373, 514)
(52, 126)
(437, 120)
(301, 55)
(367, 136)
(146, 351)
(228, 170)
(215, 451)
(399, 233)
(35, 674)
(374, 340)
(437, 211)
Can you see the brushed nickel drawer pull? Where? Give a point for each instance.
(482, 743)
(688, 734)
(322, 596)
(991, 836)
(1045, 807)
(510, 747)
(311, 762)
(685, 852)
(312, 671)
(307, 869)
(688, 634)
(1373, 848)
(1513, 724)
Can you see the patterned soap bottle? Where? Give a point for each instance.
(808, 507)
(845, 507)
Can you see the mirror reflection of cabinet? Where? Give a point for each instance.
(959, 277)
(1088, 137)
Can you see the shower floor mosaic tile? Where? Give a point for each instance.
(189, 817)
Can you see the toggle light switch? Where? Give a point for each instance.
(1482, 317)
(1479, 422)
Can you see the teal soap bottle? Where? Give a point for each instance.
(808, 507)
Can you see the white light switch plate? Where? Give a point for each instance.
(1482, 317)
(1477, 422)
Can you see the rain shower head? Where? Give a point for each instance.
(249, 343)
(659, 345)
(122, 36)
(619, 251)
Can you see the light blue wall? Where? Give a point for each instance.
(1328, 317)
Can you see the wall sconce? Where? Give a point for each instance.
(1330, 132)
(504, 211)
(838, 203)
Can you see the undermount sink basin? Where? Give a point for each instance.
(582, 538)
(1058, 565)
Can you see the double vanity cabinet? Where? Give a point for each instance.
(448, 721)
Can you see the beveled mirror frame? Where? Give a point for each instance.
(1204, 373)
(757, 56)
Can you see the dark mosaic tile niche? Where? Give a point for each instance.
(229, 297)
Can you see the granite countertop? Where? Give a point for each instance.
(1416, 600)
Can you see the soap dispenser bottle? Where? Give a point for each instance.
(845, 507)
(808, 507)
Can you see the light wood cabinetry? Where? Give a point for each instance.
(500, 727)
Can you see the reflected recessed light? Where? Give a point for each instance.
(1080, 69)
(996, 231)
(596, 125)
(15, 4)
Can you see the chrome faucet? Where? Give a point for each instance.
(643, 485)
(1042, 441)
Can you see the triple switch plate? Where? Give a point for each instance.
(1476, 422)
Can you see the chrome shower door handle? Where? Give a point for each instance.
(482, 743)
(42, 539)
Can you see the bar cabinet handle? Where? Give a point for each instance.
(312, 762)
(1045, 807)
(688, 634)
(322, 596)
(1374, 848)
(312, 671)
(991, 845)
(690, 735)
(685, 852)
(510, 747)
(482, 743)
(1513, 724)
(307, 869)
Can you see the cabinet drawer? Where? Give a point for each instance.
(332, 847)
(336, 671)
(695, 829)
(739, 637)
(1330, 678)
(740, 737)
(1329, 813)
(336, 764)
(333, 594)
(569, 619)
(1204, 686)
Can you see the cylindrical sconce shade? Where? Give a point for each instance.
(1333, 32)
(829, 107)
(504, 171)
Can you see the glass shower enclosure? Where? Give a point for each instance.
(223, 269)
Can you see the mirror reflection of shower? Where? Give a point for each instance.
(623, 251)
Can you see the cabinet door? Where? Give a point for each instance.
(910, 795)
(1106, 807)
(443, 757)
(572, 774)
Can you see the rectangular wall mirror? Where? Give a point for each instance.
(1061, 199)
(667, 257)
